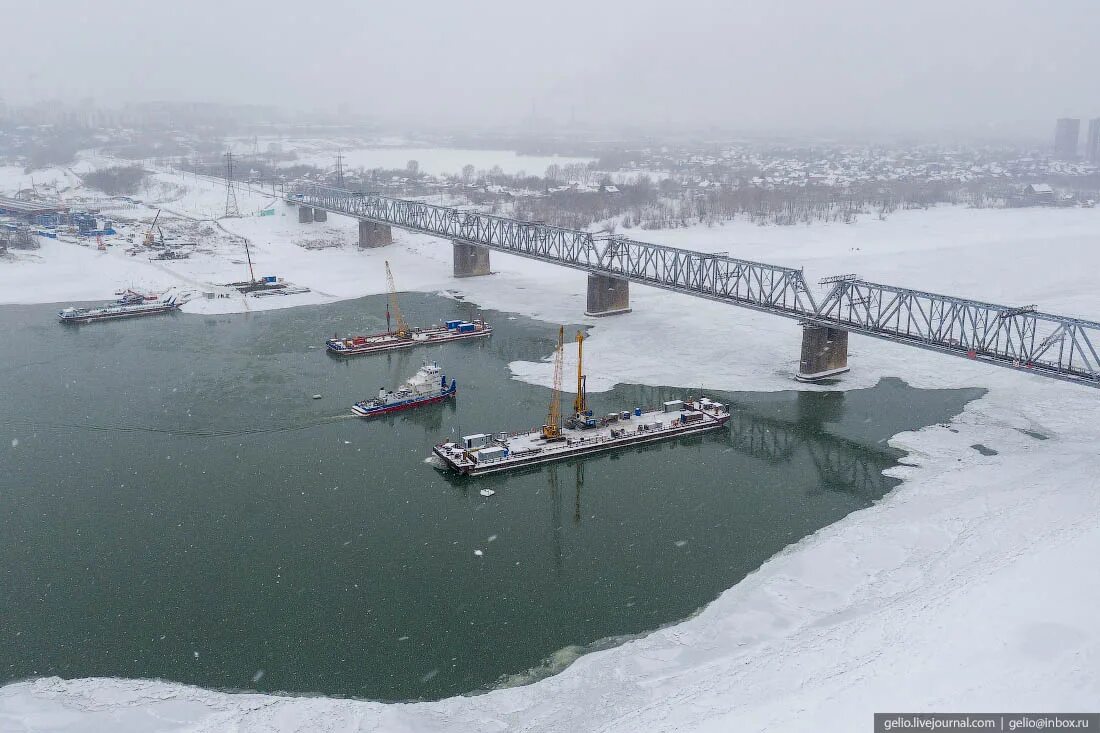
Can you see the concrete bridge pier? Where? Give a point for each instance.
(373, 234)
(471, 260)
(824, 353)
(607, 296)
(320, 215)
(305, 214)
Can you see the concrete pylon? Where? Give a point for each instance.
(471, 260)
(824, 353)
(305, 214)
(320, 215)
(373, 234)
(607, 296)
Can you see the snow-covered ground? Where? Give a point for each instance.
(395, 153)
(972, 587)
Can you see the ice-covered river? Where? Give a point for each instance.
(173, 504)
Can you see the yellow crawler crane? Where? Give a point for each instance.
(402, 327)
(580, 402)
(552, 429)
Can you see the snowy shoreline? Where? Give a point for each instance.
(963, 589)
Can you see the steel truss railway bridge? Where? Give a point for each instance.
(1018, 337)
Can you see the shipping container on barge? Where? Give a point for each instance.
(585, 434)
(428, 386)
(403, 337)
(125, 307)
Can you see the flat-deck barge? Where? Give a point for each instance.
(484, 453)
(449, 331)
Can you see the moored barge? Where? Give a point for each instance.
(403, 337)
(123, 308)
(450, 331)
(483, 453)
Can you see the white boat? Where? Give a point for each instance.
(426, 387)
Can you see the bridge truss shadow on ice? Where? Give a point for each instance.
(1020, 337)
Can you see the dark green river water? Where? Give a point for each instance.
(173, 504)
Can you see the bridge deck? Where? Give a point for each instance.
(1020, 338)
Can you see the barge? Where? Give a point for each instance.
(584, 433)
(428, 386)
(390, 340)
(403, 337)
(125, 307)
(483, 453)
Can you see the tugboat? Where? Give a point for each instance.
(484, 453)
(426, 387)
(128, 306)
(404, 336)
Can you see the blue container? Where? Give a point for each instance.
(453, 324)
(465, 328)
(637, 412)
(270, 278)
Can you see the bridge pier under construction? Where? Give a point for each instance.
(471, 260)
(373, 234)
(824, 353)
(320, 215)
(305, 214)
(607, 296)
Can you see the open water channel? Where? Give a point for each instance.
(173, 504)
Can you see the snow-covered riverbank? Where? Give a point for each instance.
(971, 587)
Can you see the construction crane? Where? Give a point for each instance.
(150, 239)
(402, 327)
(580, 403)
(552, 429)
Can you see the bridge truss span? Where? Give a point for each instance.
(1018, 337)
(779, 290)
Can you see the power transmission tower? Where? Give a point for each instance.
(339, 169)
(230, 188)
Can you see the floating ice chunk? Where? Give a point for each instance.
(258, 676)
(681, 543)
(15, 442)
(196, 654)
(492, 537)
(479, 553)
(402, 638)
(486, 492)
(316, 396)
(428, 677)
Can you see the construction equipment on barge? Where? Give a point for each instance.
(483, 453)
(403, 336)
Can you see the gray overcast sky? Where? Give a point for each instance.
(794, 65)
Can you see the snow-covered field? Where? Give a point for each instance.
(396, 153)
(972, 587)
